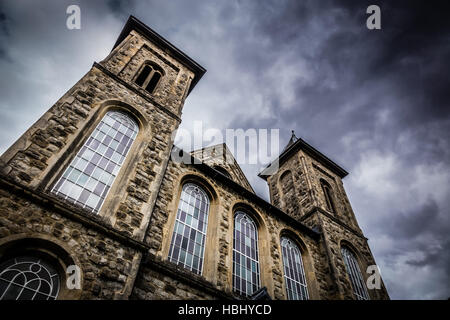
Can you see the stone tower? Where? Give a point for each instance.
(92, 202)
(82, 180)
(308, 186)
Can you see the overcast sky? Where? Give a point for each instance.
(376, 102)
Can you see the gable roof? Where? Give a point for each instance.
(299, 144)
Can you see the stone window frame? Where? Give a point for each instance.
(53, 250)
(265, 259)
(362, 265)
(301, 273)
(257, 281)
(192, 229)
(210, 259)
(155, 68)
(76, 142)
(114, 115)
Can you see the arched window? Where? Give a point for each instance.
(88, 178)
(328, 196)
(189, 235)
(294, 274)
(28, 278)
(246, 278)
(149, 77)
(222, 171)
(351, 264)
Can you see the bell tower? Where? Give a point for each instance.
(87, 173)
(103, 146)
(308, 186)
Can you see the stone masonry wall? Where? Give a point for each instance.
(218, 256)
(106, 264)
(302, 198)
(126, 60)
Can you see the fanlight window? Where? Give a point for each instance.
(189, 235)
(351, 264)
(294, 274)
(28, 278)
(91, 173)
(149, 77)
(246, 277)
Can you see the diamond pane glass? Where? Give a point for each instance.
(88, 178)
(294, 274)
(246, 278)
(189, 235)
(351, 264)
(28, 278)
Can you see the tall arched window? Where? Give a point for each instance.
(189, 235)
(246, 278)
(149, 77)
(223, 171)
(294, 274)
(356, 278)
(328, 196)
(28, 278)
(88, 178)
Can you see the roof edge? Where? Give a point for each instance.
(313, 152)
(135, 24)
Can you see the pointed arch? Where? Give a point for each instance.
(354, 272)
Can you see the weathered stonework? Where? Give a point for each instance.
(122, 251)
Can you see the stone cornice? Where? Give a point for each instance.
(70, 211)
(185, 276)
(334, 219)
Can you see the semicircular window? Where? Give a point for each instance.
(28, 278)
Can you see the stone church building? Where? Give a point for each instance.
(94, 206)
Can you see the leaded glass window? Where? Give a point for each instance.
(189, 235)
(28, 278)
(294, 274)
(356, 278)
(246, 279)
(88, 178)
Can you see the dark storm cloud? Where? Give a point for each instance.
(378, 93)
(376, 102)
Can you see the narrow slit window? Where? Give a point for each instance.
(294, 273)
(90, 175)
(356, 278)
(328, 196)
(187, 246)
(246, 273)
